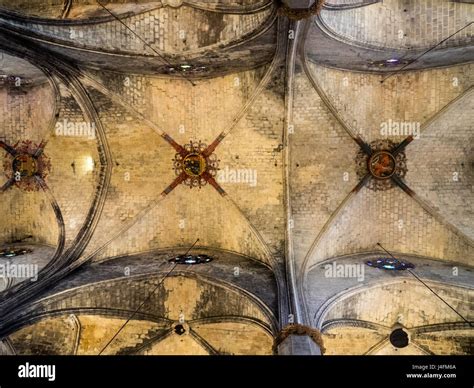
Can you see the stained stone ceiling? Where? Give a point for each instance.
(135, 132)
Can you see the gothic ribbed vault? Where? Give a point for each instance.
(290, 141)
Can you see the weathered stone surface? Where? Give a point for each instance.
(292, 144)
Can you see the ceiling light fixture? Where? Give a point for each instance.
(185, 68)
(389, 263)
(11, 252)
(391, 62)
(191, 259)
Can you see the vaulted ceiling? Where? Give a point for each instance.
(101, 107)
